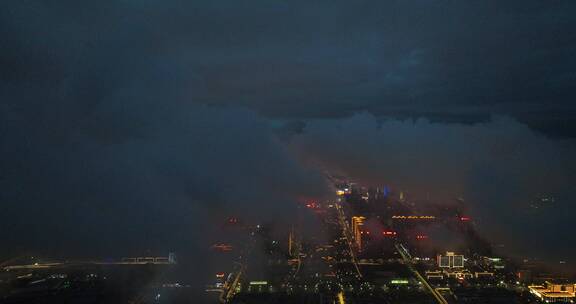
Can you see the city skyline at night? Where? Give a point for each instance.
(287, 151)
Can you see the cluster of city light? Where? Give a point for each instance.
(414, 217)
(550, 292)
(342, 192)
(355, 235)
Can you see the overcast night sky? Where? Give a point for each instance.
(129, 125)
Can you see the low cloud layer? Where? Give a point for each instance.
(138, 179)
(499, 167)
(131, 125)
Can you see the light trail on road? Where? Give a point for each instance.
(401, 249)
(341, 298)
(342, 220)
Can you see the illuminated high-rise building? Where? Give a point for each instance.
(458, 261)
(171, 258)
(450, 260)
(357, 223)
(443, 261)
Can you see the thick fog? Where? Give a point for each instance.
(501, 168)
(130, 126)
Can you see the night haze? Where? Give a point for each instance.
(287, 151)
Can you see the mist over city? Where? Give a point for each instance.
(287, 151)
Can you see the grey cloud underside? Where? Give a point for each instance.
(157, 189)
(310, 59)
(132, 115)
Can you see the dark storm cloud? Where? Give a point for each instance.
(105, 147)
(184, 175)
(317, 59)
(500, 167)
(103, 104)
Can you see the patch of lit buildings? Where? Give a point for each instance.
(452, 266)
(357, 223)
(554, 293)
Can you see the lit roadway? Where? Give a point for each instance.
(348, 235)
(229, 289)
(408, 261)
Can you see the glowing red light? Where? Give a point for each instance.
(464, 218)
(312, 205)
(388, 233)
(222, 247)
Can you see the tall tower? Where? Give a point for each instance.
(357, 223)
